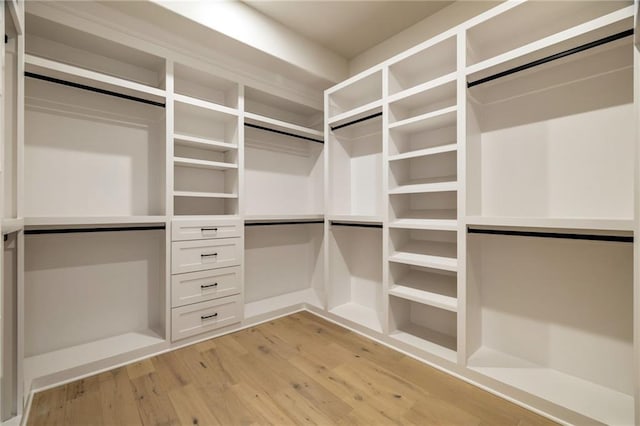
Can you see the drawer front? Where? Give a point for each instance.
(196, 229)
(205, 316)
(196, 287)
(191, 256)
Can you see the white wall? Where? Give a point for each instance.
(439, 22)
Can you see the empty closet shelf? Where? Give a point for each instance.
(203, 143)
(92, 220)
(427, 261)
(205, 104)
(430, 91)
(283, 218)
(271, 124)
(60, 73)
(425, 187)
(427, 340)
(425, 152)
(595, 224)
(356, 115)
(425, 297)
(203, 194)
(429, 224)
(355, 219)
(10, 225)
(445, 117)
(203, 164)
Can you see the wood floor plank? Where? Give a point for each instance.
(294, 370)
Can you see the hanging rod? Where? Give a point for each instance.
(283, 223)
(92, 89)
(359, 120)
(281, 132)
(77, 230)
(553, 57)
(590, 237)
(360, 225)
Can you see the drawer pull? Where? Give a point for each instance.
(208, 254)
(206, 317)
(209, 285)
(209, 229)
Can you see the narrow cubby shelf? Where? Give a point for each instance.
(203, 164)
(345, 218)
(444, 117)
(427, 261)
(425, 187)
(427, 99)
(197, 194)
(194, 83)
(428, 63)
(203, 143)
(434, 249)
(428, 224)
(424, 152)
(199, 103)
(424, 297)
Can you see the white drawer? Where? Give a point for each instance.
(191, 256)
(205, 316)
(196, 287)
(197, 229)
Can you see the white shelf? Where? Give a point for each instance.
(283, 218)
(93, 220)
(203, 194)
(428, 224)
(283, 126)
(40, 366)
(424, 339)
(202, 143)
(425, 187)
(356, 113)
(205, 104)
(582, 396)
(424, 152)
(425, 297)
(95, 79)
(203, 164)
(345, 218)
(438, 83)
(426, 261)
(554, 223)
(284, 301)
(359, 314)
(445, 117)
(12, 225)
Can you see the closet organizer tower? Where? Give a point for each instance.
(472, 201)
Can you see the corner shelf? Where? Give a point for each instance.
(283, 218)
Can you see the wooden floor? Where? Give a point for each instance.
(294, 370)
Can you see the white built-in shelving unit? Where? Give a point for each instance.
(469, 201)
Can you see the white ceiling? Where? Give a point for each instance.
(347, 27)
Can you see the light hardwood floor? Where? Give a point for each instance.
(295, 370)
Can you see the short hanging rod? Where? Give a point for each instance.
(281, 132)
(283, 223)
(589, 237)
(85, 230)
(92, 89)
(553, 57)
(359, 120)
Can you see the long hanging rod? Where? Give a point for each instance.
(553, 57)
(83, 230)
(300, 222)
(281, 132)
(589, 237)
(92, 89)
(359, 225)
(359, 120)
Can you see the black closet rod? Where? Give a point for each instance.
(92, 89)
(589, 237)
(283, 223)
(359, 225)
(78, 230)
(359, 120)
(553, 57)
(281, 132)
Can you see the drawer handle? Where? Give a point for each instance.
(208, 254)
(209, 285)
(206, 317)
(209, 229)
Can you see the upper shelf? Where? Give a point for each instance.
(58, 72)
(593, 224)
(350, 99)
(282, 127)
(520, 25)
(278, 113)
(199, 84)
